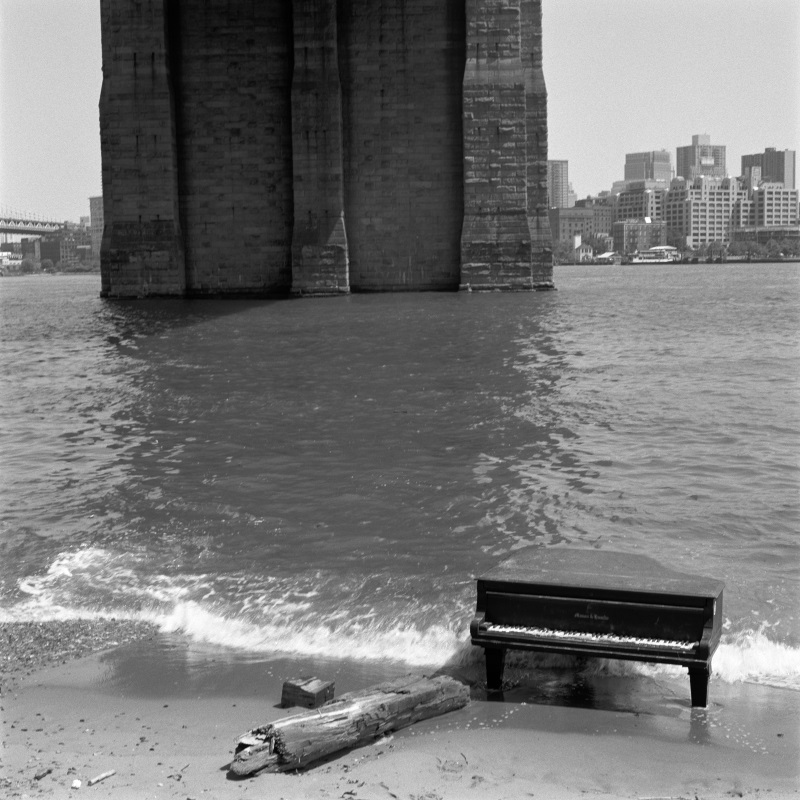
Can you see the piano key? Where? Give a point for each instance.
(581, 636)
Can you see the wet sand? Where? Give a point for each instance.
(164, 716)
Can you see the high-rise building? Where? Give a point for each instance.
(777, 166)
(701, 211)
(654, 165)
(572, 197)
(558, 184)
(775, 205)
(769, 211)
(700, 158)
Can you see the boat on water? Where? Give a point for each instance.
(661, 254)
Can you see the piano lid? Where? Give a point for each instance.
(599, 569)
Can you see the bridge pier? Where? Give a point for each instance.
(496, 237)
(536, 127)
(317, 147)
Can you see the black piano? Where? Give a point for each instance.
(599, 604)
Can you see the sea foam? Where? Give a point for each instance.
(92, 583)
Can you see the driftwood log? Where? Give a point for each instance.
(352, 720)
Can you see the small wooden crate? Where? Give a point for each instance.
(306, 692)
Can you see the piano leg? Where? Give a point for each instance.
(495, 662)
(698, 681)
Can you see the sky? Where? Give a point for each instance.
(623, 76)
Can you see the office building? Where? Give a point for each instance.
(631, 235)
(641, 199)
(572, 197)
(558, 184)
(777, 166)
(588, 219)
(700, 158)
(769, 211)
(567, 223)
(603, 213)
(654, 165)
(701, 211)
(775, 206)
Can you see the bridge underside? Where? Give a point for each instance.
(319, 147)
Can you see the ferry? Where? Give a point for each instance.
(662, 254)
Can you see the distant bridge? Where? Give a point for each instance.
(13, 220)
(15, 223)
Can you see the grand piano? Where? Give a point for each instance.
(598, 604)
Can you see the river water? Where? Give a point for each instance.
(326, 478)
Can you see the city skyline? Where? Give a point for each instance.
(622, 77)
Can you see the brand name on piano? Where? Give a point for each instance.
(593, 617)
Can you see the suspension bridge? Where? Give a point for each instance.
(22, 222)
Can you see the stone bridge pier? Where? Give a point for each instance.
(318, 147)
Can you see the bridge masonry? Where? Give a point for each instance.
(317, 147)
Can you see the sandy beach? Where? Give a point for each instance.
(163, 716)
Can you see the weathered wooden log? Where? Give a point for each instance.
(352, 720)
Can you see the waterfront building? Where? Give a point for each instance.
(582, 252)
(586, 220)
(603, 212)
(701, 211)
(769, 211)
(96, 227)
(700, 158)
(605, 242)
(777, 166)
(567, 223)
(631, 235)
(47, 248)
(608, 257)
(641, 199)
(558, 184)
(774, 205)
(75, 247)
(653, 165)
(68, 247)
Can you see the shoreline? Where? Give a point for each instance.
(163, 714)
(26, 647)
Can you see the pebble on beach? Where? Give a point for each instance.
(28, 646)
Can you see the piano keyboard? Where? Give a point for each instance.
(579, 636)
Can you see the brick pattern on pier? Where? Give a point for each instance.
(536, 126)
(320, 259)
(401, 65)
(322, 146)
(496, 245)
(232, 75)
(142, 245)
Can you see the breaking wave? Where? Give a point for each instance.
(298, 622)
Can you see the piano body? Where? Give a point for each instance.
(599, 604)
